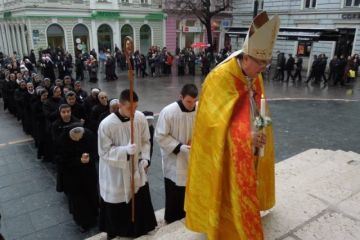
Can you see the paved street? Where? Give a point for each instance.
(304, 117)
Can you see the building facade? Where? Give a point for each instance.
(183, 30)
(308, 27)
(79, 25)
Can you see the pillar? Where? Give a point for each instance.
(23, 39)
(18, 40)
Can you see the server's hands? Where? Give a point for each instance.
(130, 149)
(185, 149)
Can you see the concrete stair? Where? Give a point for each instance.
(318, 197)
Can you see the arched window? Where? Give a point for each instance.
(81, 39)
(145, 38)
(126, 30)
(105, 37)
(55, 36)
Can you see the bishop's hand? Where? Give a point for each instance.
(259, 139)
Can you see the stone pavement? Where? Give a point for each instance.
(318, 197)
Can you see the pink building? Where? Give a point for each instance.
(182, 32)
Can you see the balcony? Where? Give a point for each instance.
(127, 5)
(14, 4)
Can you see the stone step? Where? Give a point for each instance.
(318, 197)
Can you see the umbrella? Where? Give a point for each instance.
(200, 45)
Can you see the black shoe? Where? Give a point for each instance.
(83, 229)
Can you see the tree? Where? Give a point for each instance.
(204, 10)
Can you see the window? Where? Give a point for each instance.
(144, 1)
(310, 3)
(178, 22)
(261, 5)
(352, 3)
(304, 48)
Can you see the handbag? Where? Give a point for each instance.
(351, 74)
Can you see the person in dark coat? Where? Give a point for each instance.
(143, 66)
(9, 88)
(290, 67)
(58, 127)
(92, 67)
(79, 64)
(32, 57)
(322, 68)
(113, 107)
(280, 67)
(62, 68)
(333, 66)
(29, 98)
(44, 148)
(51, 113)
(340, 71)
(46, 83)
(81, 94)
(191, 63)
(110, 68)
(97, 110)
(298, 69)
(205, 64)
(48, 69)
(314, 69)
(77, 157)
(181, 61)
(77, 110)
(91, 100)
(29, 66)
(19, 97)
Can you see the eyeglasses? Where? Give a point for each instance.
(261, 63)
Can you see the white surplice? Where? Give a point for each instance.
(174, 127)
(114, 167)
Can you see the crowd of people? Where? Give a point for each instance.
(56, 63)
(77, 130)
(342, 70)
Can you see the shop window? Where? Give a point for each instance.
(304, 48)
(310, 3)
(352, 3)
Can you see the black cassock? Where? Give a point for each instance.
(80, 181)
(49, 71)
(115, 218)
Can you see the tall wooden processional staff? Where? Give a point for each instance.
(128, 49)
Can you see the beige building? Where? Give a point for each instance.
(79, 25)
(308, 27)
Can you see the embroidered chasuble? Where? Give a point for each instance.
(225, 191)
